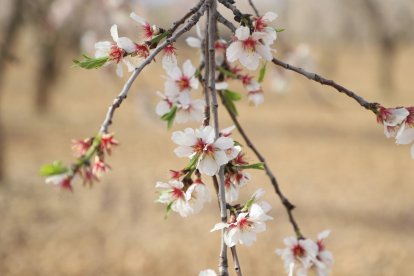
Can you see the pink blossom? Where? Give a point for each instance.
(62, 181)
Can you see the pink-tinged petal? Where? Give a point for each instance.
(220, 157)
(234, 51)
(264, 51)
(250, 60)
(242, 33)
(114, 32)
(193, 42)
(188, 68)
(405, 137)
(256, 98)
(119, 70)
(177, 184)
(227, 131)
(137, 18)
(208, 166)
(232, 152)
(269, 16)
(219, 226)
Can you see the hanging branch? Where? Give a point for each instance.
(124, 92)
(286, 203)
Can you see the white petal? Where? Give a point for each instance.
(162, 108)
(220, 157)
(119, 70)
(224, 143)
(193, 42)
(188, 68)
(174, 73)
(324, 234)
(137, 18)
(114, 32)
(126, 44)
(406, 137)
(184, 138)
(242, 33)
(234, 51)
(208, 166)
(269, 16)
(264, 51)
(221, 85)
(250, 60)
(219, 226)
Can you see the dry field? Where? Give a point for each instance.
(330, 156)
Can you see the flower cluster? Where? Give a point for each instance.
(85, 150)
(398, 123)
(302, 255)
(246, 222)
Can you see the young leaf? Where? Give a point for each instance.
(227, 73)
(170, 116)
(51, 169)
(90, 63)
(168, 210)
(279, 30)
(229, 98)
(262, 73)
(256, 166)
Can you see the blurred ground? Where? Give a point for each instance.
(330, 156)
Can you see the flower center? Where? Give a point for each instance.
(298, 251)
(183, 83)
(249, 44)
(177, 193)
(142, 50)
(244, 224)
(260, 24)
(116, 53)
(199, 146)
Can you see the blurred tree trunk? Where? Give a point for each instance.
(10, 33)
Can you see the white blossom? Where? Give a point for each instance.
(184, 80)
(261, 25)
(173, 195)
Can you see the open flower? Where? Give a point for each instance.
(248, 49)
(188, 109)
(201, 144)
(184, 80)
(406, 137)
(173, 194)
(149, 31)
(62, 181)
(261, 25)
(169, 60)
(197, 194)
(243, 229)
(393, 120)
(115, 51)
(300, 252)
(324, 256)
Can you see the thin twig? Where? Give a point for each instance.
(236, 262)
(228, 4)
(256, 12)
(181, 21)
(124, 92)
(286, 203)
(205, 44)
(212, 18)
(315, 77)
(225, 22)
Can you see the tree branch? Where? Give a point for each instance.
(256, 12)
(124, 92)
(286, 203)
(236, 262)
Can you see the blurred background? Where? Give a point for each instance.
(330, 156)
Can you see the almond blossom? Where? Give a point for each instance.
(60, 180)
(210, 154)
(255, 93)
(243, 229)
(184, 80)
(189, 110)
(261, 25)
(173, 194)
(393, 120)
(149, 31)
(248, 48)
(300, 252)
(197, 194)
(169, 60)
(116, 51)
(324, 256)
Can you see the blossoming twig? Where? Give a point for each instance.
(288, 206)
(124, 92)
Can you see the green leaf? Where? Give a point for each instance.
(90, 63)
(193, 163)
(168, 209)
(279, 30)
(154, 42)
(170, 116)
(52, 169)
(229, 98)
(256, 166)
(262, 73)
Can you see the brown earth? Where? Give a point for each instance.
(330, 156)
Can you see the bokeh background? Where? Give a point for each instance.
(329, 154)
